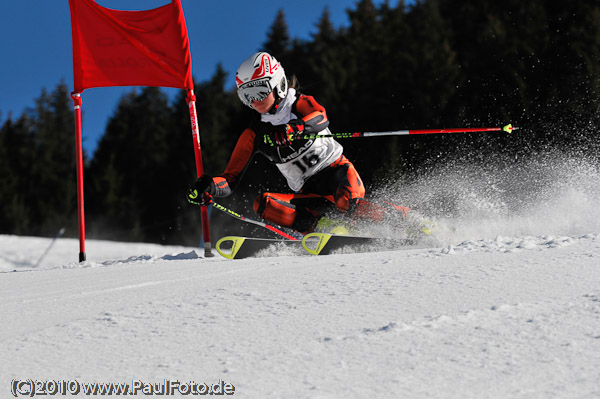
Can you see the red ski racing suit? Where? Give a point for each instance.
(320, 176)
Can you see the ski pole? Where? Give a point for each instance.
(256, 222)
(508, 129)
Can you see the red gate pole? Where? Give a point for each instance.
(191, 100)
(77, 101)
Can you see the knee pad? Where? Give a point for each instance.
(274, 209)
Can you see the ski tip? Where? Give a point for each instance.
(509, 128)
(317, 242)
(236, 244)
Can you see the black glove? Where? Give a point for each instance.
(283, 135)
(200, 192)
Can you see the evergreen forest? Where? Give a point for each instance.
(428, 64)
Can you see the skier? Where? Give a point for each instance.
(320, 176)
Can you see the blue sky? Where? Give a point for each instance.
(36, 46)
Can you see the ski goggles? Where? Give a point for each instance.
(256, 90)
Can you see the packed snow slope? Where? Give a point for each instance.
(506, 304)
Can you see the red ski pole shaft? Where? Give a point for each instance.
(256, 222)
(508, 129)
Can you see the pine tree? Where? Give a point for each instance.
(16, 142)
(430, 74)
(278, 42)
(130, 169)
(39, 186)
(325, 74)
(362, 55)
(54, 167)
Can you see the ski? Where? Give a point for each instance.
(325, 243)
(237, 247)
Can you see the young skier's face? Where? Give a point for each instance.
(264, 105)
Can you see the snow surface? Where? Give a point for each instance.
(507, 307)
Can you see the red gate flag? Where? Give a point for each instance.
(129, 48)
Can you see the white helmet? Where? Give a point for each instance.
(258, 76)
